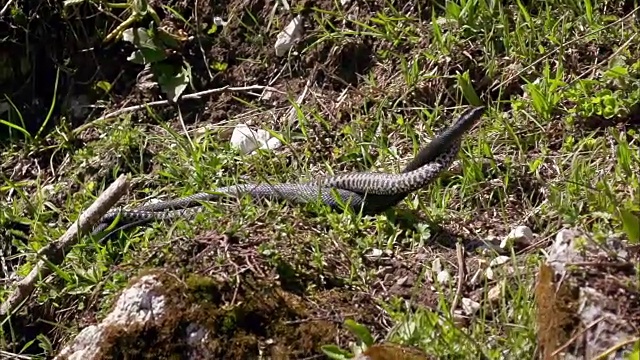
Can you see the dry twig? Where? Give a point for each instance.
(462, 271)
(54, 253)
(196, 95)
(5, 7)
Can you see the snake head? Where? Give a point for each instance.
(449, 138)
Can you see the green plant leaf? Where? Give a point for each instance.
(172, 83)
(617, 72)
(53, 104)
(630, 225)
(623, 154)
(469, 93)
(453, 10)
(136, 36)
(27, 345)
(588, 10)
(104, 85)
(218, 66)
(635, 354)
(539, 102)
(335, 352)
(167, 39)
(14, 126)
(148, 49)
(140, 7)
(437, 32)
(45, 343)
(212, 29)
(146, 56)
(360, 331)
(58, 270)
(17, 111)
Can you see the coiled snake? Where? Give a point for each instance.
(366, 191)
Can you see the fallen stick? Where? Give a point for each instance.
(197, 95)
(55, 252)
(462, 273)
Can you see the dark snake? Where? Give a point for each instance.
(369, 192)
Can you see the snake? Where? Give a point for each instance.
(369, 192)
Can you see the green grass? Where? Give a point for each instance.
(552, 71)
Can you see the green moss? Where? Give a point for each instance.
(202, 287)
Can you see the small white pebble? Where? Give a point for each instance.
(218, 21)
(489, 274)
(521, 236)
(402, 280)
(436, 265)
(272, 144)
(469, 306)
(287, 37)
(490, 249)
(564, 236)
(247, 140)
(499, 261)
(375, 253)
(495, 293)
(443, 277)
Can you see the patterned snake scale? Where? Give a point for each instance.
(367, 191)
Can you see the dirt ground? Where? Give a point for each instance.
(288, 307)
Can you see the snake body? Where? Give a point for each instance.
(370, 192)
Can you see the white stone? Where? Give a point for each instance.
(436, 265)
(500, 260)
(375, 253)
(247, 140)
(469, 306)
(495, 293)
(489, 274)
(287, 37)
(521, 236)
(138, 305)
(218, 21)
(443, 277)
